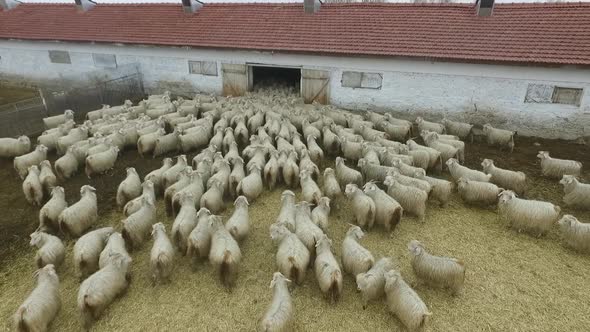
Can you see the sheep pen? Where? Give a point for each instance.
(514, 282)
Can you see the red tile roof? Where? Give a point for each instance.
(523, 33)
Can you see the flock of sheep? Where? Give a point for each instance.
(246, 144)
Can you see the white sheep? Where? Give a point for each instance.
(161, 255)
(129, 188)
(46, 177)
(14, 147)
(475, 192)
(156, 176)
(115, 244)
(67, 165)
(87, 250)
(310, 191)
(185, 222)
(577, 194)
(305, 229)
(507, 179)
(449, 140)
(372, 172)
(32, 187)
(34, 158)
(557, 168)
(405, 169)
(459, 171)
(290, 169)
(135, 204)
(292, 257)
(101, 288)
(51, 249)
(287, 213)
(183, 180)
(437, 271)
(446, 151)
(534, 217)
(75, 135)
(238, 224)
(351, 150)
(575, 233)
(363, 206)
(355, 258)
(371, 284)
(331, 187)
(460, 129)
(42, 305)
(279, 315)
(49, 213)
(500, 137)
(435, 155)
(167, 143)
(411, 199)
(194, 139)
(327, 269)
(101, 162)
(147, 143)
(271, 170)
(430, 126)
(320, 214)
(77, 218)
(225, 254)
(138, 225)
(212, 199)
(251, 185)
(199, 240)
(331, 142)
(346, 175)
(441, 189)
(405, 303)
(388, 212)
(196, 188)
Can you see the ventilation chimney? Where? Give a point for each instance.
(311, 6)
(85, 5)
(9, 4)
(191, 6)
(484, 7)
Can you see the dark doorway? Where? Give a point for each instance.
(276, 77)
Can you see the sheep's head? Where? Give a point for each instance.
(567, 180)
(167, 162)
(452, 161)
(57, 191)
(120, 261)
(462, 182)
(323, 242)
(543, 155)
(339, 160)
(24, 139)
(389, 180)
(415, 247)
(203, 212)
(355, 232)
(182, 160)
(324, 201)
(186, 198)
(391, 278)
(278, 278)
(419, 120)
(420, 174)
(241, 200)
(505, 196)
(215, 223)
(328, 171)
(147, 184)
(131, 171)
(36, 238)
(45, 163)
(86, 189)
(350, 189)
(567, 220)
(287, 193)
(48, 271)
(147, 200)
(370, 187)
(41, 148)
(487, 163)
(362, 162)
(158, 227)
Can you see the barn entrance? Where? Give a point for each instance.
(263, 77)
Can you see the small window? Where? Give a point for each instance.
(353, 79)
(570, 96)
(105, 60)
(60, 57)
(549, 94)
(208, 68)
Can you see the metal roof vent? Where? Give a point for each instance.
(191, 6)
(85, 5)
(311, 6)
(484, 7)
(9, 4)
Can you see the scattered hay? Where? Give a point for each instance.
(514, 282)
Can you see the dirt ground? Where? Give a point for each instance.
(514, 282)
(10, 94)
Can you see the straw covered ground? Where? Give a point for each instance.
(514, 282)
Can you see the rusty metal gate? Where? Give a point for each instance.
(315, 86)
(235, 79)
(22, 118)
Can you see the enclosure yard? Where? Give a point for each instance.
(514, 282)
(9, 94)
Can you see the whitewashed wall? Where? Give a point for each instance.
(475, 93)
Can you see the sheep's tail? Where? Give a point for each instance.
(86, 312)
(371, 216)
(239, 189)
(88, 170)
(294, 272)
(32, 195)
(59, 172)
(424, 320)
(19, 320)
(175, 207)
(335, 286)
(334, 147)
(63, 227)
(268, 179)
(127, 237)
(234, 232)
(225, 269)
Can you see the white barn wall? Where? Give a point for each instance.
(477, 93)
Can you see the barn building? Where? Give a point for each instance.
(524, 67)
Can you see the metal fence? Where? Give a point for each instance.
(26, 117)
